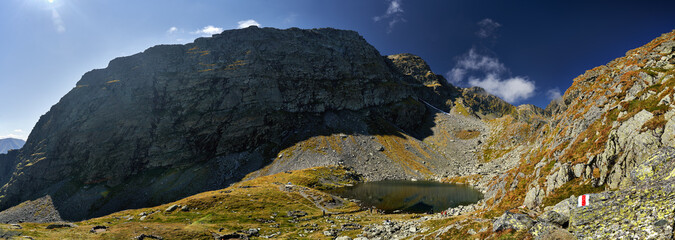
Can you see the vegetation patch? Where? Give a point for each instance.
(467, 134)
(575, 187)
(657, 122)
(461, 109)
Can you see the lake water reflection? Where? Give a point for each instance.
(410, 196)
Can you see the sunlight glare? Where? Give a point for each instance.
(51, 1)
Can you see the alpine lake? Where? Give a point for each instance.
(394, 196)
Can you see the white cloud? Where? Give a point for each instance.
(554, 94)
(489, 73)
(248, 23)
(481, 70)
(511, 90)
(208, 30)
(18, 130)
(488, 27)
(58, 22)
(172, 30)
(394, 14)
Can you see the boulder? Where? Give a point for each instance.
(533, 197)
(172, 208)
(98, 229)
(61, 225)
(548, 231)
(510, 220)
(560, 213)
(554, 218)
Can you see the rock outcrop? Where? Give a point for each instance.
(180, 119)
(176, 120)
(611, 118)
(643, 211)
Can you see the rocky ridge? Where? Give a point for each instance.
(606, 125)
(176, 120)
(597, 137)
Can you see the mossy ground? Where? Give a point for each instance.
(258, 203)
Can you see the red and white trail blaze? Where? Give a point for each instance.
(583, 200)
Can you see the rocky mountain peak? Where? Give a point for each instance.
(202, 115)
(415, 66)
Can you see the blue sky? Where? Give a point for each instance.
(522, 51)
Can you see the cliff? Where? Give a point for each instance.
(176, 120)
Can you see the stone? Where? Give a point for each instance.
(98, 229)
(668, 137)
(172, 208)
(578, 169)
(350, 226)
(61, 225)
(253, 231)
(554, 218)
(558, 178)
(656, 168)
(296, 214)
(563, 209)
(343, 238)
(510, 220)
(330, 232)
(533, 197)
(545, 230)
(234, 236)
(148, 236)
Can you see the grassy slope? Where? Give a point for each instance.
(246, 204)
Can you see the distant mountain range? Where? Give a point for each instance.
(7, 144)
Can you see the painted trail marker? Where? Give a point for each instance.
(583, 200)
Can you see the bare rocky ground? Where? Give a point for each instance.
(40, 210)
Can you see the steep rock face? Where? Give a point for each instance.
(435, 90)
(7, 163)
(608, 122)
(180, 119)
(442, 145)
(617, 114)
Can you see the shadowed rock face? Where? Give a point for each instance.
(176, 120)
(180, 119)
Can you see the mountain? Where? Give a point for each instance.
(271, 116)
(7, 144)
(176, 120)
(610, 135)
